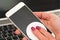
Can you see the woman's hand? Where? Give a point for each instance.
(51, 21)
(41, 34)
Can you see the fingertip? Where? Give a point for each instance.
(38, 27)
(32, 28)
(24, 38)
(17, 32)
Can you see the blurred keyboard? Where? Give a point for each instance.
(7, 33)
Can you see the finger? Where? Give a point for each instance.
(24, 38)
(45, 33)
(17, 32)
(38, 34)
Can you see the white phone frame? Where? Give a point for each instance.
(12, 11)
(16, 8)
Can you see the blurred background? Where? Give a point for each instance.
(34, 5)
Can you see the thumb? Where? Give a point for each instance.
(42, 15)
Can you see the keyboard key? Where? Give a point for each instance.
(0, 28)
(4, 35)
(5, 29)
(0, 36)
(9, 38)
(15, 37)
(4, 32)
(10, 34)
(5, 26)
(0, 32)
(2, 39)
(10, 27)
(9, 31)
(14, 28)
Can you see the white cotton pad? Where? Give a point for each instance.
(29, 31)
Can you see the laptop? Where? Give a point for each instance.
(7, 30)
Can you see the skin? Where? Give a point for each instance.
(52, 22)
(41, 34)
(17, 32)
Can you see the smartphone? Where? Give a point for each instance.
(23, 18)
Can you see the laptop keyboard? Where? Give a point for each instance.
(7, 33)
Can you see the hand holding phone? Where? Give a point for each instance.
(23, 18)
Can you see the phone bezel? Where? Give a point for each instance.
(12, 11)
(15, 9)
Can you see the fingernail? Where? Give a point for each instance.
(38, 27)
(32, 28)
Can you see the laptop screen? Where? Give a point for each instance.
(34, 5)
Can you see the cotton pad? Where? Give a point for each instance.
(29, 31)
